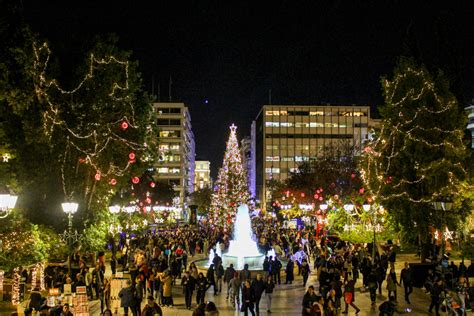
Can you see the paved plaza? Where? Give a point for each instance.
(287, 299)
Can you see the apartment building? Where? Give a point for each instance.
(286, 135)
(176, 151)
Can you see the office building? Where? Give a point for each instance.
(470, 123)
(176, 163)
(248, 161)
(286, 135)
(202, 175)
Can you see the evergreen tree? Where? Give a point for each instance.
(416, 158)
(231, 185)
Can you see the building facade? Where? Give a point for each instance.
(202, 175)
(286, 135)
(248, 160)
(177, 153)
(470, 123)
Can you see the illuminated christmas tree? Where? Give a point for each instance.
(231, 185)
(416, 158)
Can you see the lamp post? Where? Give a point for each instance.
(367, 208)
(445, 207)
(7, 203)
(70, 237)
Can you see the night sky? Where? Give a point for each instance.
(230, 53)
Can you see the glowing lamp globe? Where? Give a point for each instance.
(70, 207)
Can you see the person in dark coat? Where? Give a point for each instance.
(258, 286)
(202, 284)
(188, 284)
(126, 297)
(372, 285)
(248, 299)
(305, 271)
(36, 300)
(407, 280)
(211, 277)
(290, 266)
(228, 275)
(275, 269)
(309, 299)
(349, 295)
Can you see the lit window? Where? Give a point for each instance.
(301, 158)
(294, 170)
(163, 147)
(299, 124)
(272, 124)
(288, 159)
(272, 158)
(272, 170)
(316, 113)
(302, 147)
(330, 124)
(286, 124)
(174, 146)
(272, 147)
(316, 124)
(163, 170)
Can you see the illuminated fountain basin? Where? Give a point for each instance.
(242, 249)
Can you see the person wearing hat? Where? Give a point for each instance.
(151, 308)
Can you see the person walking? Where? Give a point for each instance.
(258, 286)
(290, 267)
(202, 284)
(211, 278)
(126, 297)
(151, 308)
(228, 275)
(269, 286)
(372, 285)
(219, 275)
(349, 295)
(435, 294)
(188, 283)
(275, 269)
(248, 299)
(392, 284)
(305, 271)
(235, 285)
(167, 281)
(407, 281)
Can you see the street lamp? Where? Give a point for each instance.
(7, 203)
(70, 237)
(366, 208)
(442, 206)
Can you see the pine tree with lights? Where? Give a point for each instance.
(231, 185)
(416, 157)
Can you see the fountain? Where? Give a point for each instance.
(243, 249)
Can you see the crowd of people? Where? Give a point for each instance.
(160, 261)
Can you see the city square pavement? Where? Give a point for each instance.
(287, 299)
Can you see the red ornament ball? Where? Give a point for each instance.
(97, 176)
(124, 125)
(135, 180)
(316, 196)
(361, 190)
(148, 200)
(320, 198)
(152, 184)
(353, 176)
(113, 182)
(131, 155)
(302, 194)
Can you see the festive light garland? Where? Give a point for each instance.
(231, 184)
(42, 278)
(16, 286)
(2, 278)
(99, 140)
(34, 277)
(401, 133)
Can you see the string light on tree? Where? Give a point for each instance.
(42, 278)
(231, 185)
(16, 286)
